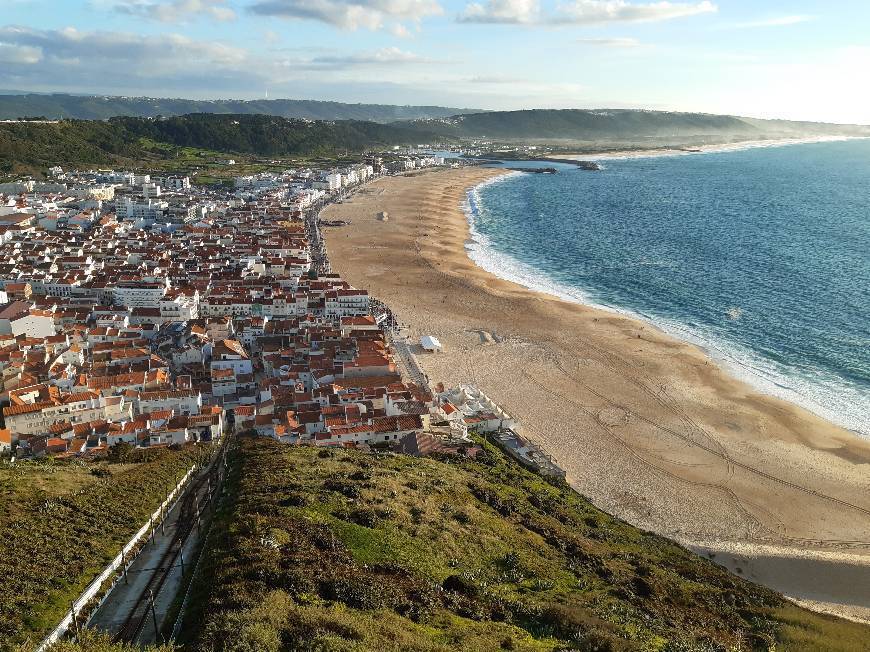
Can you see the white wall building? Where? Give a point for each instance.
(138, 295)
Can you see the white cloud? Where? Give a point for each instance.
(616, 42)
(776, 21)
(174, 65)
(89, 61)
(390, 56)
(590, 12)
(177, 11)
(400, 31)
(349, 14)
(580, 12)
(501, 11)
(21, 54)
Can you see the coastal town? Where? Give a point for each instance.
(467, 326)
(145, 311)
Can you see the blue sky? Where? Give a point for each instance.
(796, 60)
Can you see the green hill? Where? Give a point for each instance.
(99, 107)
(621, 125)
(127, 139)
(339, 550)
(266, 135)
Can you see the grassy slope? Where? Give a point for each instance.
(62, 522)
(353, 552)
(97, 642)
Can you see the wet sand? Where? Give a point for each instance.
(706, 149)
(646, 426)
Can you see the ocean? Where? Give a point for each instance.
(761, 256)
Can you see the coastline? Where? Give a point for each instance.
(647, 426)
(617, 154)
(737, 361)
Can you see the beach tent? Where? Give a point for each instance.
(430, 343)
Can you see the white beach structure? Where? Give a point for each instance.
(477, 410)
(431, 344)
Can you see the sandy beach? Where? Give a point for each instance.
(648, 427)
(699, 149)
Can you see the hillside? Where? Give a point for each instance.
(339, 550)
(98, 107)
(104, 142)
(621, 125)
(266, 135)
(61, 522)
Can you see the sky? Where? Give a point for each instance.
(802, 60)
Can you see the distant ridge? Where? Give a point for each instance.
(100, 107)
(29, 144)
(622, 125)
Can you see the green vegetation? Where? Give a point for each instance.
(266, 135)
(61, 522)
(97, 642)
(26, 146)
(623, 126)
(338, 550)
(90, 107)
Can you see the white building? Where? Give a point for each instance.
(36, 418)
(346, 303)
(138, 294)
(150, 190)
(146, 210)
(36, 323)
(175, 183)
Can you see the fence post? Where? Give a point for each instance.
(154, 616)
(75, 621)
(163, 519)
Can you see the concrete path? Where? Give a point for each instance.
(127, 595)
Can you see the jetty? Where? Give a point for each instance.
(535, 170)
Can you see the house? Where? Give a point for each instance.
(7, 440)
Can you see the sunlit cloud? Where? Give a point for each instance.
(76, 60)
(349, 14)
(176, 11)
(580, 12)
(514, 12)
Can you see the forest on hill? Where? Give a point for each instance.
(126, 139)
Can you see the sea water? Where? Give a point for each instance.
(761, 256)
